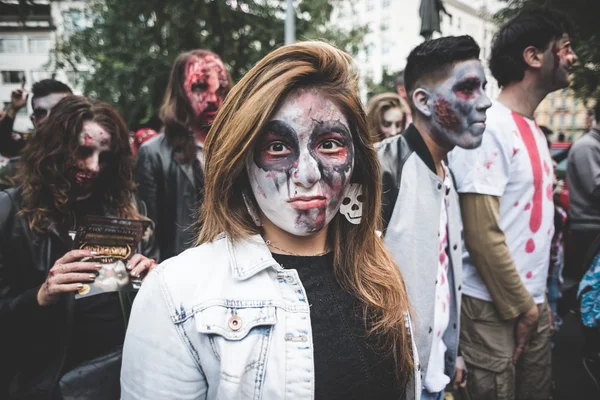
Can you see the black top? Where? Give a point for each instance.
(346, 366)
(98, 324)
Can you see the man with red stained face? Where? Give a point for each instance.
(170, 166)
(506, 194)
(445, 82)
(205, 85)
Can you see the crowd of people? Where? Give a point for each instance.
(309, 247)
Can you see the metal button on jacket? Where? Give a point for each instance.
(235, 323)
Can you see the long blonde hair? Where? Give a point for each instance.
(362, 265)
(378, 105)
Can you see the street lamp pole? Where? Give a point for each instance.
(290, 23)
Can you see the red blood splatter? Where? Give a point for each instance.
(442, 257)
(516, 204)
(87, 140)
(443, 279)
(546, 168)
(439, 333)
(530, 246)
(527, 206)
(515, 150)
(549, 192)
(535, 219)
(443, 306)
(528, 275)
(445, 115)
(488, 164)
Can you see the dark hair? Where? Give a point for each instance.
(176, 112)
(399, 80)
(50, 154)
(48, 86)
(532, 28)
(597, 110)
(430, 60)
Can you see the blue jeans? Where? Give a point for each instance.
(427, 395)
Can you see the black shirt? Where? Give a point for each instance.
(346, 365)
(98, 323)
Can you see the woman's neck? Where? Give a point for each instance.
(283, 242)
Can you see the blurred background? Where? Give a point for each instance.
(121, 51)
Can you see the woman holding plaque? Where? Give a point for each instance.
(76, 164)
(290, 293)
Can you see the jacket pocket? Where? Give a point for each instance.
(239, 337)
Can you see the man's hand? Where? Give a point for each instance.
(525, 329)
(18, 100)
(460, 374)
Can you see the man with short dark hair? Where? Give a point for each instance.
(46, 93)
(583, 178)
(445, 84)
(507, 207)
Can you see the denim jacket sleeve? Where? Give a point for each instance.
(157, 363)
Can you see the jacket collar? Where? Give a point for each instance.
(415, 141)
(249, 256)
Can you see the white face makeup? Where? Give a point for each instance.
(301, 164)
(92, 155)
(456, 106)
(392, 122)
(42, 106)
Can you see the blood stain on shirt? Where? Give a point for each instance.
(527, 206)
(530, 246)
(528, 275)
(535, 219)
(546, 168)
(549, 192)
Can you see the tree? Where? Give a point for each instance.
(386, 84)
(129, 46)
(583, 16)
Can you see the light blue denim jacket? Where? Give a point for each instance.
(221, 321)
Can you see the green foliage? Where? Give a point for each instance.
(386, 84)
(130, 45)
(583, 16)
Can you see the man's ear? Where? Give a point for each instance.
(533, 57)
(420, 98)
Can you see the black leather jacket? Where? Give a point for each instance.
(33, 340)
(172, 192)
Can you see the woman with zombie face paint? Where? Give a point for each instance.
(387, 114)
(169, 167)
(77, 164)
(290, 292)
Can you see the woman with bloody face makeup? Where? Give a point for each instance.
(169, 167)
(290, 292)
(77, 164)
(388, 115)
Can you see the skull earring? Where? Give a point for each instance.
(352, 204)
(251, 210)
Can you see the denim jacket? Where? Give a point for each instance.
(226, 322)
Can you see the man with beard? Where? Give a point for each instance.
(445, 83)
(506, 192)
(169, 168)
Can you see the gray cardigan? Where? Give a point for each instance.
(412, 198)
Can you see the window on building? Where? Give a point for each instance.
(11, 45)
(385, 3)
(12, 76)
(385, 24)
(551, 120)
(73, 20)
(573, 119)
(562, 120)
(386, 47)
(39, 45)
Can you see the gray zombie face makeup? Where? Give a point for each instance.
(301, 164)
(457, 105)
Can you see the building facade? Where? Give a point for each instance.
(26, 48)
(563, 113)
